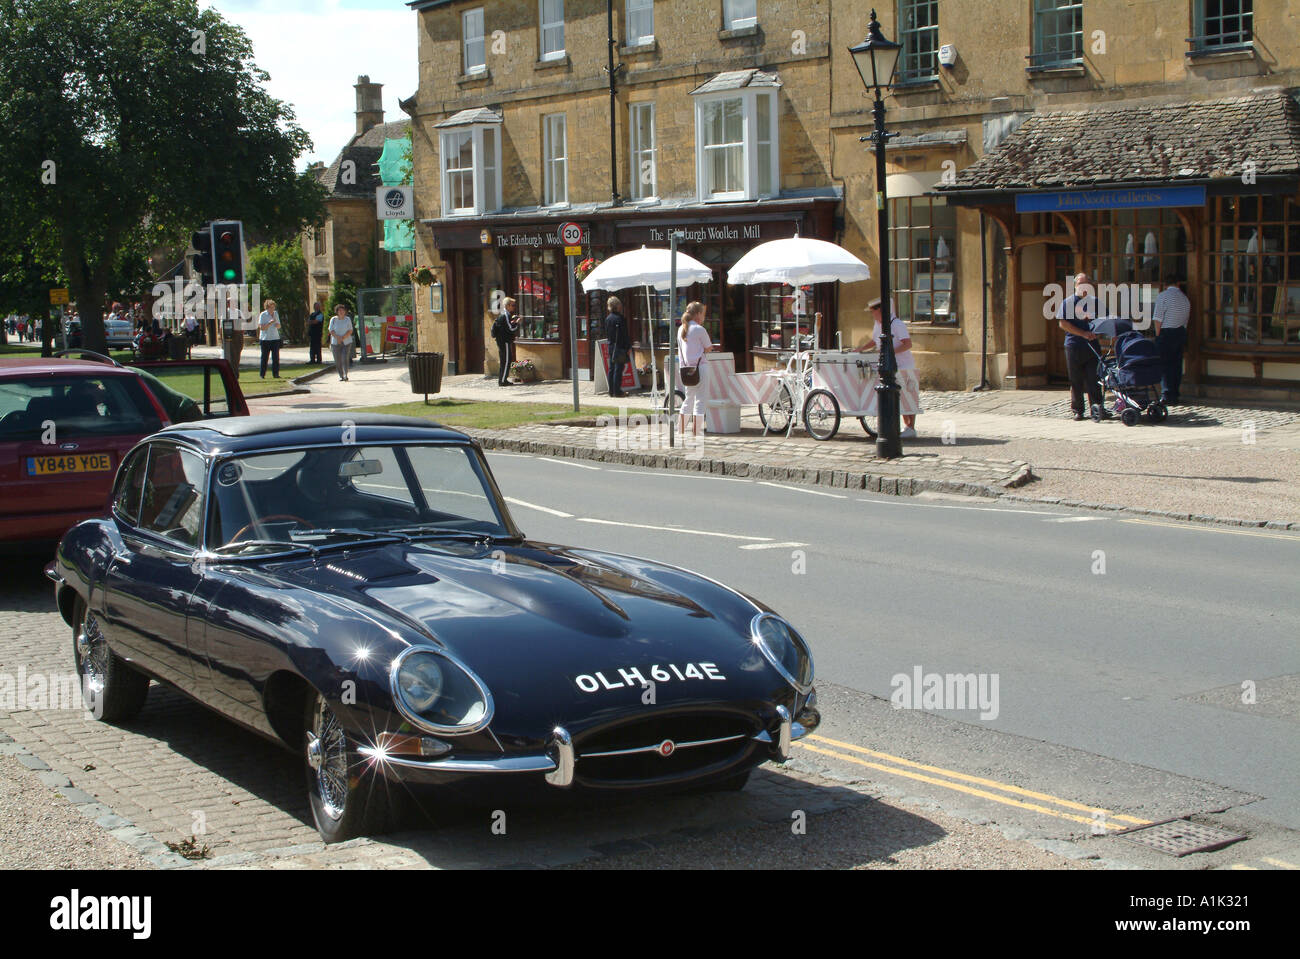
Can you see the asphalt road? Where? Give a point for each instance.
(1119, 647)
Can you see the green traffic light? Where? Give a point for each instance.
(228, 275)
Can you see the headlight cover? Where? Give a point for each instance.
(438, 693)
(784, 648)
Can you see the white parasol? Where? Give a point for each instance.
(798, 261)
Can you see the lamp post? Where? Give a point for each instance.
(876, 59)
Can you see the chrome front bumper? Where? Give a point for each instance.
(560, 759)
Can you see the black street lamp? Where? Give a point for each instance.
(876, 59)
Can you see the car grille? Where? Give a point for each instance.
(626, 754)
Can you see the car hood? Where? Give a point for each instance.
(531, 618)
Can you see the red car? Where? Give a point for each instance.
(65, 425)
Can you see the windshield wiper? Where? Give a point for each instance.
(432, 531)
(230, 549)
(351, 534)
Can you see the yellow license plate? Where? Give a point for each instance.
(72, 463)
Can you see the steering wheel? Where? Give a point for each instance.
(271, 519)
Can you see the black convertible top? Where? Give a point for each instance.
(246, 433)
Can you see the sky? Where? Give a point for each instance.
(314, 51)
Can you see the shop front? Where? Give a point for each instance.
(493, 257)
(1225, 228)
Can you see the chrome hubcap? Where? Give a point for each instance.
(92, 656)
(327, 755)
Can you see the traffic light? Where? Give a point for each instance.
(202, 243)
(228, 251)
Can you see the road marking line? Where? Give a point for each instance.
(544, 509)
(674, 529)
(1238, 865)
(1076, 519)
(1280, 863)
(983, 794)
(991, 783)
(651, 469)
(581, 466)
(1215, 529)
(894, 501)
(772, 545)
(800, 489)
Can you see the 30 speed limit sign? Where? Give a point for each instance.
(571, 234)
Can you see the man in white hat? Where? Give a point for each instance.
(902, 354)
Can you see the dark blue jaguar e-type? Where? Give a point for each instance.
(356, 589)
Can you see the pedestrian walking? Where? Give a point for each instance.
(1075, 316)
(620, 344)
(340, 333)
(1170, 315)
(315, 327)
(191, 334)
(268, 333)
(504, 330)
(905, 365)
(692, 343)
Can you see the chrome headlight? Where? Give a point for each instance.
(437, 693)
(784, 648)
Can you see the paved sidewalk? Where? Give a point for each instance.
(1206, 460)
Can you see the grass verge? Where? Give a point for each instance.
(488, 415)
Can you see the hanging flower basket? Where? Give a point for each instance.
(585, 267)
(423, 276)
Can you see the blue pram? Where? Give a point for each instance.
(1132, 369)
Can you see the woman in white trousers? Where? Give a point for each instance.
(692, 343)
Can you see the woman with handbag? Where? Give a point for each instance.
(692, 343)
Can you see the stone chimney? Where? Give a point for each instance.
(370, 104)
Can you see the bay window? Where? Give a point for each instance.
(737, 153)
(471, 170)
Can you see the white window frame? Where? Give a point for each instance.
(543, 25)
(749, 139)
(467, 39)
(630, 10)
(553, 158)
(731, 9)
(639, 152)
(486, 180)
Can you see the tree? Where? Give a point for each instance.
(281, 271)
(128, 123)
(345, 292)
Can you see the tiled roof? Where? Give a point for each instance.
(736, 80)
(466, 117)
(1165, 141)
(364, 151)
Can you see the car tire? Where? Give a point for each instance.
(112, 689)
(348, 799)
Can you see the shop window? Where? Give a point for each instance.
(781, 312)
(640, 22)
(1222, 23)
(471, 173)
(472, 31)
(645, 176)
(919, 35)
(738, 14)
(923, 259)
(1058, 33)
(556, 159)
(737, 155)
(1253, 288)
(537, 294)
(1128, 253)
(550, 20)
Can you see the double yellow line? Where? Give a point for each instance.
(897, 766)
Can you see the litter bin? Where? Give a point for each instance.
(176, 346)
(426, 372)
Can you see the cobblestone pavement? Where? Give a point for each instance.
(177, 772)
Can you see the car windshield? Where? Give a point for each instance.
(326, 495)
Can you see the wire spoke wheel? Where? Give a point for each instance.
(821, 414)
(777, 415)
(327, 754)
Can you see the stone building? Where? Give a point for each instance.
(1056, 135)
(350, 244)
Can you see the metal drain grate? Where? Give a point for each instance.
(1179, 837)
